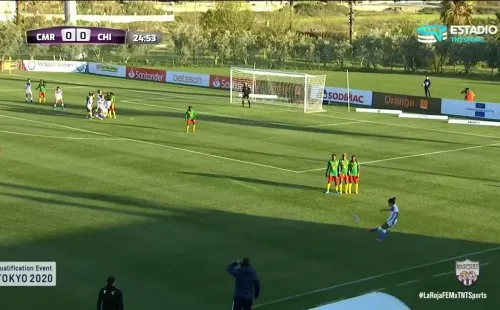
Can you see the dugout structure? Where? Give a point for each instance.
(298, 90)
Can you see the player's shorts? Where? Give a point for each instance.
(41, 94)
(333, 178)
(388, 225)
(344, 177)
(191, 121)
(246, 96)
(353, 179)
(59, 98)
(28, 92)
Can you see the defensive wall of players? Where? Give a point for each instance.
(477, 112)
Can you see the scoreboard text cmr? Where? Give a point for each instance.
(90, 35)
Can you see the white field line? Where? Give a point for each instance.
(333, 124)
(382, 275)
(168, 95)
(58, 137)
(154, 144)
(414, 155)
(22, 90)
(407, 283)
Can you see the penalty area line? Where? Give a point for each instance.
(414, 155)
(382, 275)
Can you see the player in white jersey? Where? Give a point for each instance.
(89, 104)
(391, 221)
(27, 91)
(59, 99)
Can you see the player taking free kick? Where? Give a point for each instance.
(332, 173)
(344, 174)
(391, 221)
(42, 87)
(190, 118)
(353, 175)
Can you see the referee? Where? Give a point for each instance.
(110, 298)
(246, 284)
(427, 87)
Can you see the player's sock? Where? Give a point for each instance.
(356, 188)
(26, 99)
(349, 188)
(31, 99)
(337, 188)
(55, 106)
(39, 100)
(194, 128)
(187, 128)
(44, 100)
(382, 235)
(376, 229)
(328, 187)
(340, 188)
(62, 106)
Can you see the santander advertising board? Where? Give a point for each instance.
(223, 82)
(145, 74)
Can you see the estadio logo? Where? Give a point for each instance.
(355, 96)
(223, 82)
(145, 74)
(186, 78)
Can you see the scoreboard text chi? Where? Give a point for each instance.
(78, 35)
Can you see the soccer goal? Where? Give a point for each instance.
(298, 90)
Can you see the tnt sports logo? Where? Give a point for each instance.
(467, 272)
(458, 34)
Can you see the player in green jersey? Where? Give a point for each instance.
(190, 118)
(344, 173)
(353, 175)
(42, 88)
(332, 173)
(112, 111)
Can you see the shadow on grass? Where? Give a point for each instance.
(168, 256)
(429, 173)
(272, 125)
(254, 181)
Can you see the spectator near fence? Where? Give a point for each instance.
(468, 94)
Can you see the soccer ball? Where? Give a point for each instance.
(355, 218)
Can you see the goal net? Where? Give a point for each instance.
(298, 90)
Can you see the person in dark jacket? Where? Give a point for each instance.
(427, 87)
(246, 90)
(246, 284)
(110, 298)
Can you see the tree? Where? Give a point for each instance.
(456, 12)
(10, 40)
(245, 46)
(497, 23)
(304, 49)
(492, 55)
(470, 55)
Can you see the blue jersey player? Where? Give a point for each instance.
(391, 221)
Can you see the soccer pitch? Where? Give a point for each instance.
(165, 211)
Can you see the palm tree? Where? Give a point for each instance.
(497, 23)
(457, 12)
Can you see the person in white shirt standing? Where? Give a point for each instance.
(391, 221)
(28, 92)
(59, 98)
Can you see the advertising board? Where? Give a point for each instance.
(55, 66)
(188, 78)
(406, 103)
(145, 74)
(106, 69)
(473, 109)
(356, 96)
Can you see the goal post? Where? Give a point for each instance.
(298, 90)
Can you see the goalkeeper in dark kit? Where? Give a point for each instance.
(246, 91)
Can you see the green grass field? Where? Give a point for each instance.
(166, 211)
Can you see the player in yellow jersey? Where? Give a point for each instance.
(353, 175)
(344, 174)
(190, 118)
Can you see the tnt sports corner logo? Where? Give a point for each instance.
(457, 34)
(467, 272)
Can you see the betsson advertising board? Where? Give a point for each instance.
(356, 96)
(187, 78)
(106, 69)
(479, 110)
(55, 66)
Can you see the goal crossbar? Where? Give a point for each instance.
(270, 72)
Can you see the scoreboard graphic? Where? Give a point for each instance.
(90, 35)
